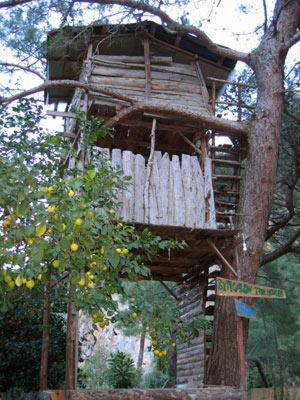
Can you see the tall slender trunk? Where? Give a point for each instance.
(142, 348)
(45, 342)
(71, 348)
(267, 61)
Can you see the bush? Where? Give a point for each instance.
(93, 373)
(121, 372)
(154, 379)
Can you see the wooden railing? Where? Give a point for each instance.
(239, 104)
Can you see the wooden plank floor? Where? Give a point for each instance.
(172, 265)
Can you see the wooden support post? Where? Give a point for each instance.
(222, 258)
(149, 170)
(146, 45)
(213, 97)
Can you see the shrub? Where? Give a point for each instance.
(121, 372)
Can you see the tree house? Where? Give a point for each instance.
(152, 87)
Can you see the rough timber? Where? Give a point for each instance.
(148, 79)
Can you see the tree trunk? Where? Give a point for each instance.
(142, 347)
(71, 348)
(267, 61)
(45, 343)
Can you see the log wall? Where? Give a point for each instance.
(177, 193)
(191, 355)
(171, 83)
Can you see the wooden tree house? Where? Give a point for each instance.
(152, 87)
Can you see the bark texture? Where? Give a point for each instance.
(142, 348)
(267, 62)
(45, 343)
(71, 348)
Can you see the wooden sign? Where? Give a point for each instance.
(244, 310)
(228, 287)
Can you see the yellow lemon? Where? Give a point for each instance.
(40, 230)
(74, 247)
(102, 250)
(6, 223)
(134, 315)
(24, 280)
(18, 281)
(81, 282)
(50, 231)
(50, 190)
(156, 352)
(51, 209)
(164, 352)
(71, 193)
(56, 263)
(11, 284)
(30, 241)
(119, 251)
(125, 251)
(93, 264)
(40, 277)
(103, 268)
(30, 284)
(91, 284)
(78, 222)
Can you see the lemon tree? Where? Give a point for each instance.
(59, 224)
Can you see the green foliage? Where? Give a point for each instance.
(154, 379)
(93, 374)
(274, 334)
(20, 343)
(152, 308)
(121, 372)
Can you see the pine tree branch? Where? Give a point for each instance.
(23, 68)
(65, 83)
(172, 24)
(265, 16)
(13, 3)
(293, 40)
(287, 247)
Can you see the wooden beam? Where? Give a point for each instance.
(227, 177)
(226, 163)
(169, 290)
(60, 114)
(221, 257)
(147, 67)
(190, 143)
(231, 82)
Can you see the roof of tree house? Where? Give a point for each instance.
(67, 47)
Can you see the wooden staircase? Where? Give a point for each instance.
(227, 165)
